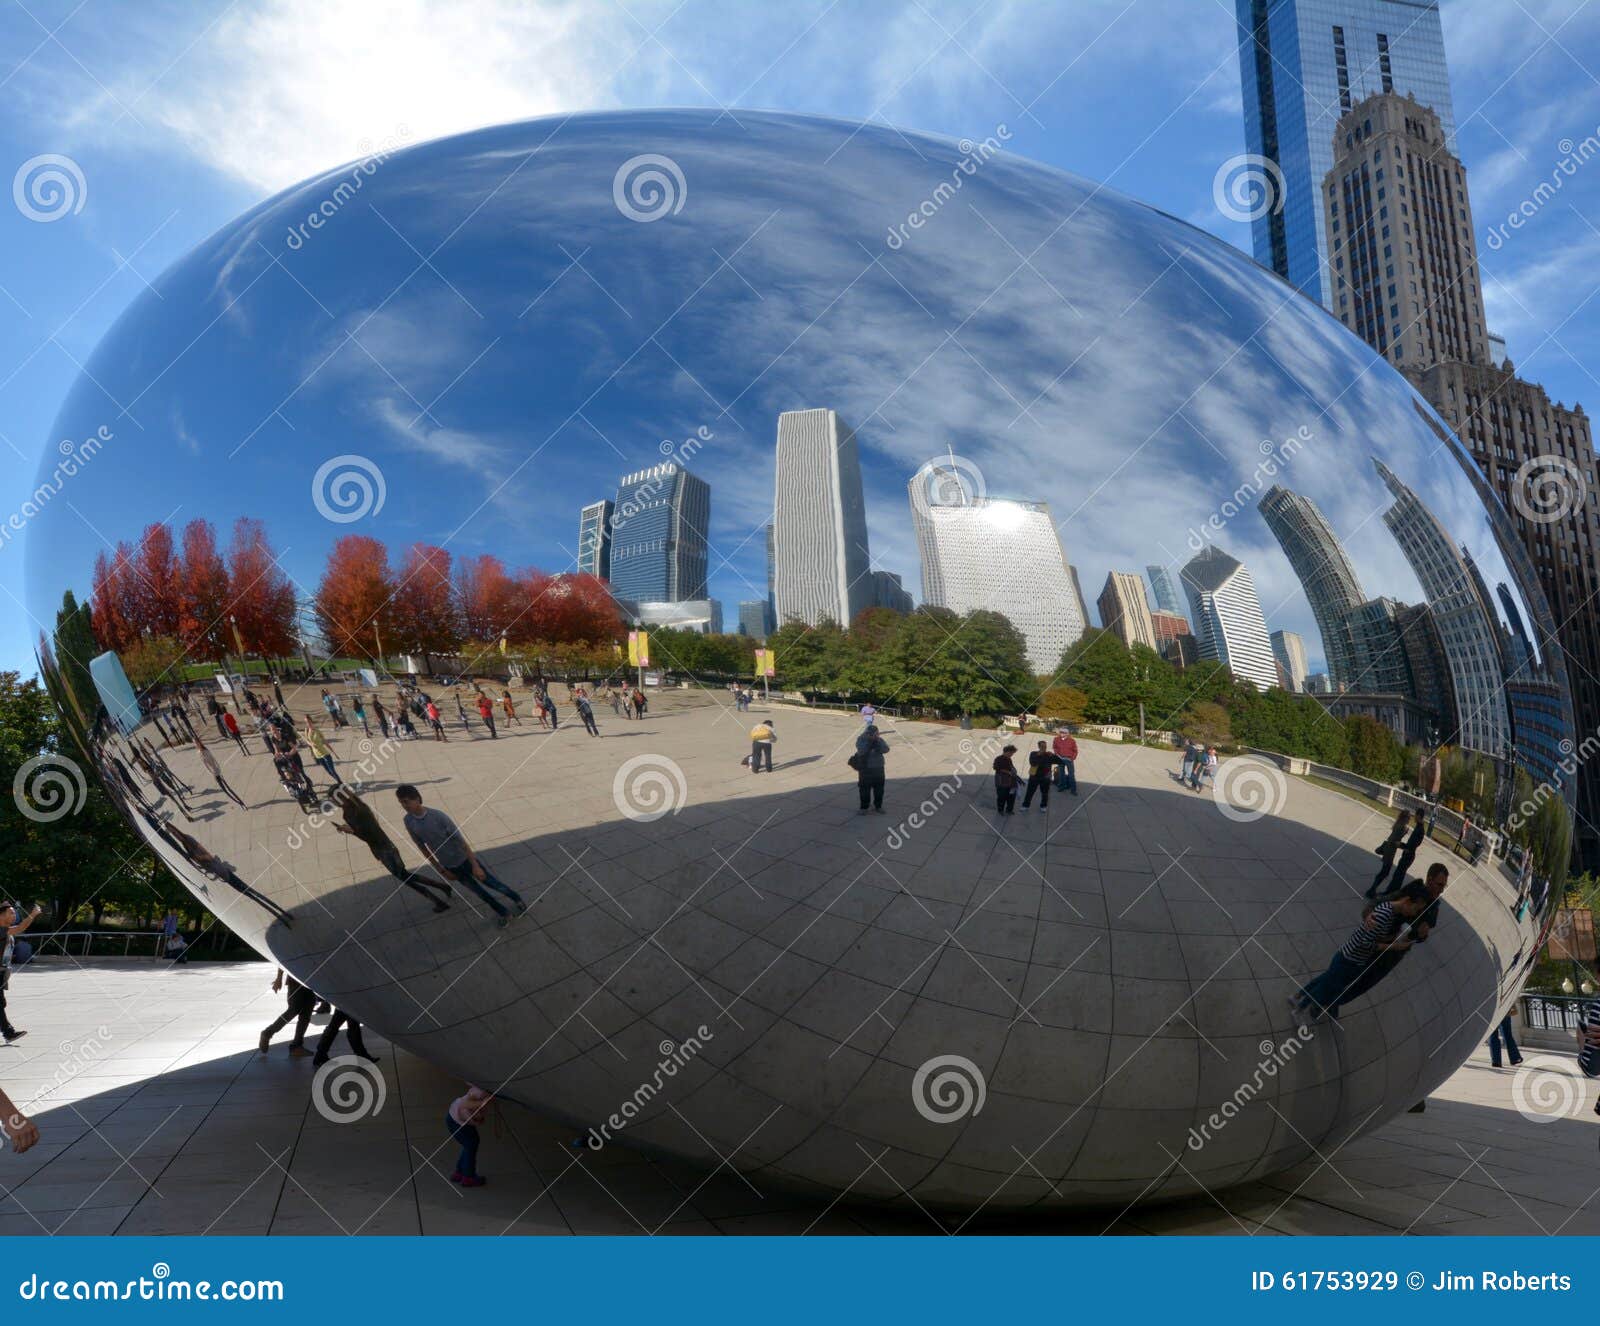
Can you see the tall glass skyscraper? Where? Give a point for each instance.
(1226, 616)
(819, 521)
(1324, 570)
(1163, 593)
(1304, 63)
(594, 539)
(658, 535)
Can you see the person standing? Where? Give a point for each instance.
(361, 822)
(1408, 854)
(510, 707)
(638, 703)
(869, 715)
(320, 751)
(586, 713)
(230, 728)
(466, 1112)
(1041, 761)
(432, 711)
(615, 696)
(1503, 1035)
(360, 708)
(1386, 850)
(10, 928)
(870, 775)
(216, 711)
(277, 691)
(442, 843)
(1382, 931)
(461, 712)
(762, 736)
(1065, 747)
(486, 712)
(297, 1009)
(381, 714)
(550, 710)
(1006, 780)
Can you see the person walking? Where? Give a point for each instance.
(509, 706)
(215, 770)
(550, 710)
(1006, 780)
(461, 1120)
(277, 690)
(361, 822)
(615, 696)
(359, 707)
(586, 713)
(10, 928)
(381, 714)
(216, 711)
(461, 712)
(432, 711)
(1386, 851)
(639, 703)
(230, 728)
(486, 712)
(1408, 853)
(449, 852)
(321, 752)
(1065, 747)
(1502, 1035)
(352, 1033)
(297, 1009)
(762, 736)
(868, 763)
(1041, 761)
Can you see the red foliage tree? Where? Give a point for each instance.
(570, 608)
(260, 595)
(116, 601)
(157, 582)
(355, 596)
(203, 620)
(487, 598)
(425, 616)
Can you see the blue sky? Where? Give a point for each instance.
(182, 117)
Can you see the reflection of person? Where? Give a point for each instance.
(1408, 853)
(20, 1130)
(219, 869)
(360, 821)
(1428, 893)
(462, 1119)
(486, 712)
(442, 843)
(1386, 850)
(761, 738)
(432, 711)
(1382, 931)
(215, 770)
(1065, 748)
(230, 728)
(586, 713)
(297, 1009)
(1006, 779)
(1503, 1034)
(870, 750)
(1589, 1041)
(510, 707)
(10, 928)
(321, 752)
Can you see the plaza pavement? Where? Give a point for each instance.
(159, 1116)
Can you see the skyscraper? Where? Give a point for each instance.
(819, 523)
(1290, 651)
(1379, 659)
(1466, 625)
(1324, 570)
(1124, 612)
(594, 539)
(1226, 613)
(888, 592)
(658, 535)
(964, 546)
(1303, 64)
(754, 618)
(1164, 594)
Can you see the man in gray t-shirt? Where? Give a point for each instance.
(443, 843)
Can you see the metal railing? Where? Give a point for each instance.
(1542, 1012)
(97, 943)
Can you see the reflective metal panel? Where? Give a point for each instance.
(337, 431)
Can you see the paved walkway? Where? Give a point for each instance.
(159, 1116)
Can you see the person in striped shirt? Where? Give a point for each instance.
(1385, 929)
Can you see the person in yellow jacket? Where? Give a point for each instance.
(320, 750)
(761, 738)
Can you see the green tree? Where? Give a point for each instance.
(1207, 722)
(1373, 751)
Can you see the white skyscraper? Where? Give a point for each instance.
(1290, 651)
(1226, 616)
(983, 552)
(819, 524)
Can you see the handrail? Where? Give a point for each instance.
(43, 940)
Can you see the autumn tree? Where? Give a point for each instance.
(425, 617)
(260, 595)
(487, 598)
(157, 582)
(356, 597)
(203, 615)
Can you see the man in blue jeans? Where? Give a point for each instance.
(442, 843)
